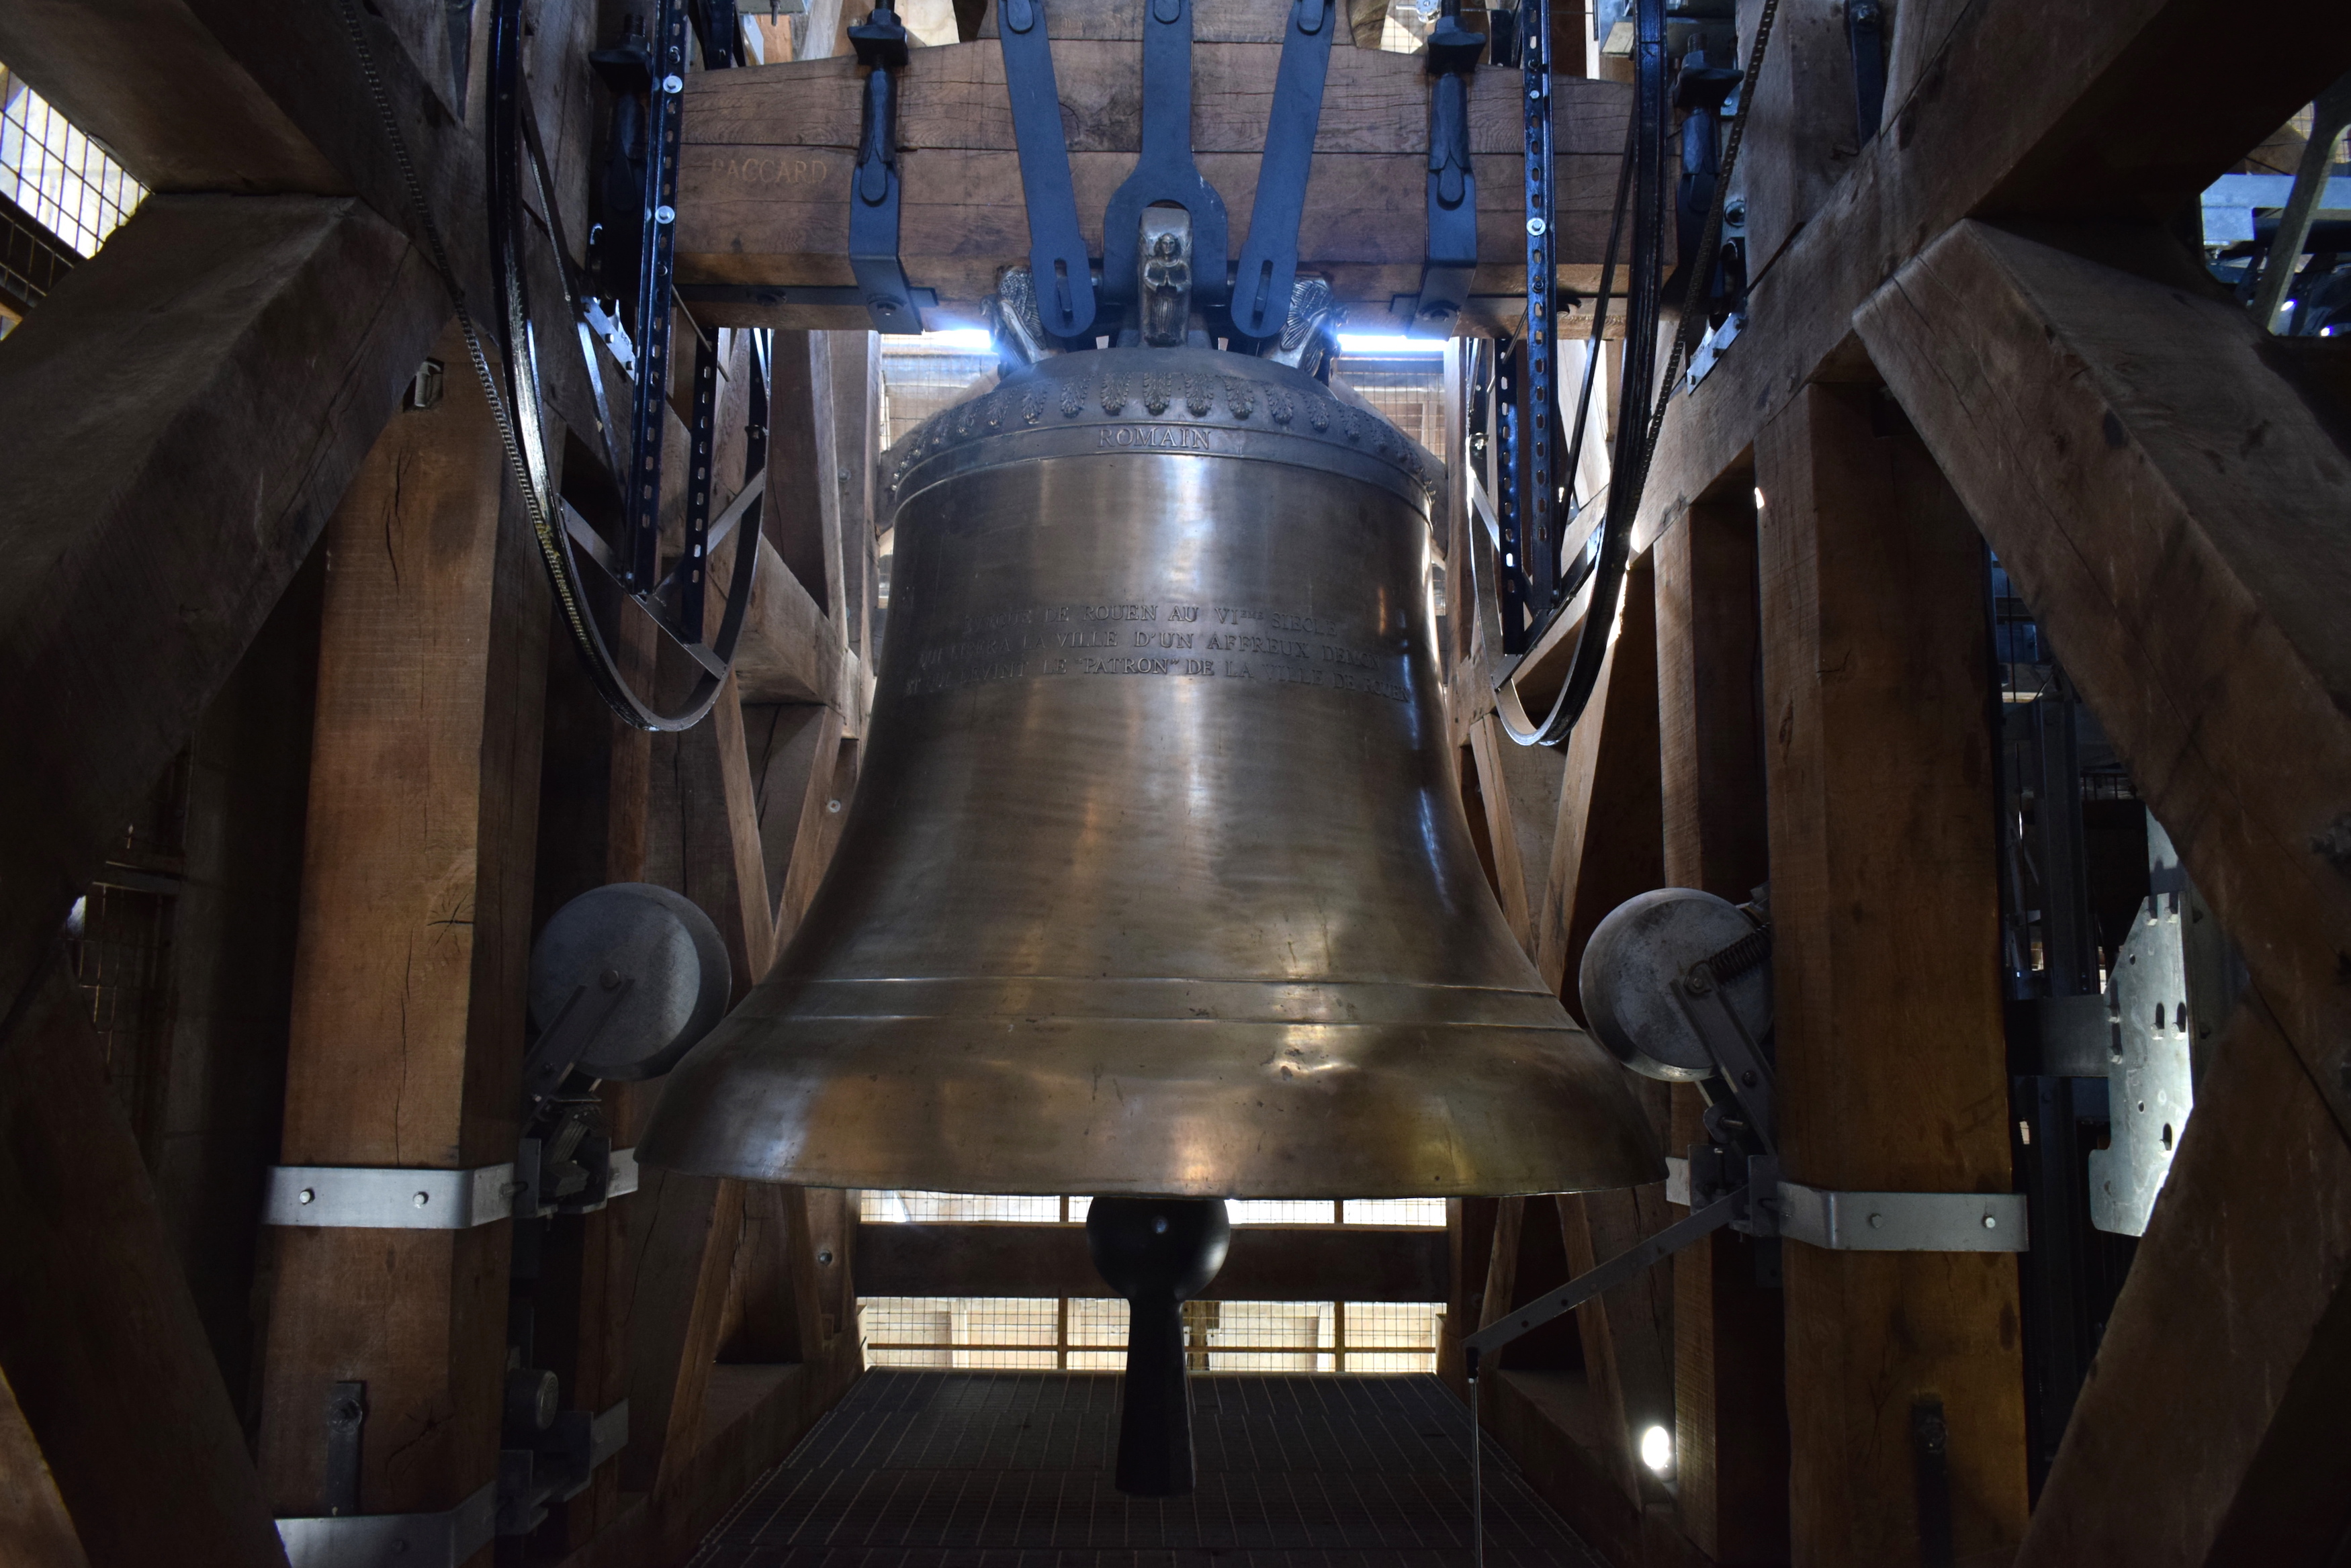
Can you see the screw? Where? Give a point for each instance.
(673, 83)
(664, 215)
(306, 1195)
(825, 1256)
(1990, 1223)
(422, 1198)
(609, 980)
(1701, 981)
(1877, 1221)
(1537, 227)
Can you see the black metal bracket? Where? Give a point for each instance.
(1165, 173)
(1058, 259)
(1538, 508)
(1269, 264)
(874, 189)
(655, 268)
(1450, 259)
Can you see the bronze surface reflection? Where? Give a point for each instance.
(1156, 880)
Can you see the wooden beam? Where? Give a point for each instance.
(233, 925)
(153, 85)
(2219, 1384)
(1267, 1262)
(703, 840)
(99, 1339)
(409, 996)
(1512, 793)
(1885, 913)
(854, 362)
(159, 378)
(682, 1235)
(1606, 847)
(1730, 1427)
(764, 174)
(2005, 117)
(2170, 506)
(34, 1532)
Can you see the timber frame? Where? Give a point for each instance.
(1975, 329)
(1978, 328)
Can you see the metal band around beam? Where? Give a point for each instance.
(1903, 1221)
(365, 1198)
(393, 1540)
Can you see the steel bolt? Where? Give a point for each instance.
(664, 215)
(1701, 981)
(1877, 1221)
(609, 980)
(673, 83)
(306, 1195)
(422, 1198)
(1990, 1223)
(1537, 227)
(825, 1256)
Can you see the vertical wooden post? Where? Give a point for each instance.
(103, 1350)
(408, 977)
(1891, 1057)
(855, 359)
(1730, 1427)
(34, 1530)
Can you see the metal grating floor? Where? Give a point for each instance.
(1012, 1469)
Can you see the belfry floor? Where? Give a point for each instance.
(1012, 1469)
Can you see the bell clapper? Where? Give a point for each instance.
(1157, 1252)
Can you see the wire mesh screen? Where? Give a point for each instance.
(1037, 1334)
(1077, 1333)
(1409, 390)
(918, 382)
(64, 179)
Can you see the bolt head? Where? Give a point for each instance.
(1537, 227)
(824, 1256)
(1877, 1221)
(424, 1198)
(673, 83)
(308, 1195)
(664, 215)
(832, 805)
(609, 980)
(1990, 1223)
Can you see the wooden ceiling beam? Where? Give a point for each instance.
(763, 178)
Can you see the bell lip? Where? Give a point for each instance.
(1384, 1111)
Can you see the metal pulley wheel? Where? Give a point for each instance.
(1637, 957)
(644, 963)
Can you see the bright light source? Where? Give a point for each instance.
(1375, 343)
(1657, 1449)
(971, 338)
(1759, 498)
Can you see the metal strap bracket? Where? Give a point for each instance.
(393, 1540)
(873, 189)
(1057, 246)
(1450, 260)
(1269, 264)
(379, 1197)
(1898, 1221)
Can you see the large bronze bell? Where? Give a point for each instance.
(1157, 880)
